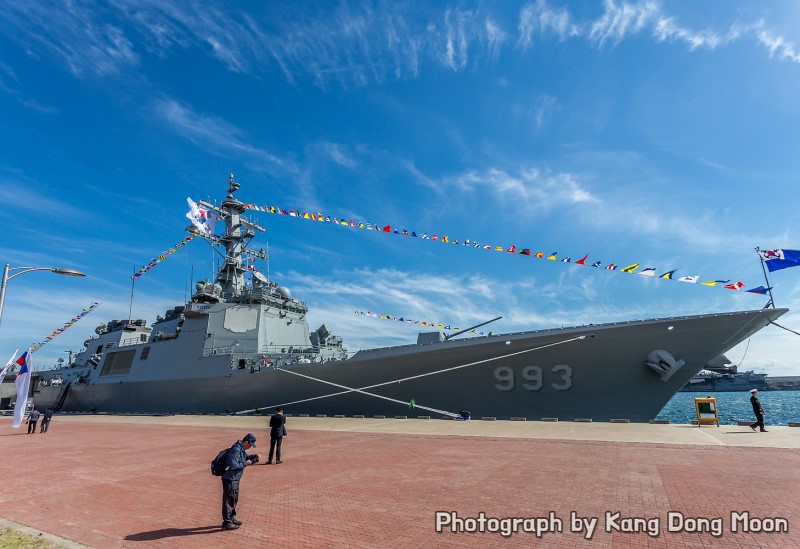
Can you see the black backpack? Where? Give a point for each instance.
(218, 464)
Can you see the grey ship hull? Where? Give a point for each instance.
(601, 377)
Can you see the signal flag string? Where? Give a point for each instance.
(634, 268)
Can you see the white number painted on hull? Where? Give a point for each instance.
(566, 377)
(534, 374)
(533, 377)
(505, 376)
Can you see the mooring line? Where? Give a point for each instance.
(362, 390)
(783, 327)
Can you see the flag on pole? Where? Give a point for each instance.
(23, 383)
(8, 366)
(780, 259)
(201, 219)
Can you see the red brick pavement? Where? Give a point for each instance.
(127, 485)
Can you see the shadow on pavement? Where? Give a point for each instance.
(173, 533)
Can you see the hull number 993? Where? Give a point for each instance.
(532, 378)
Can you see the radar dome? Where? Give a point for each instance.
(199, 286)
(284, 292)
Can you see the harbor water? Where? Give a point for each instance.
(780, 407)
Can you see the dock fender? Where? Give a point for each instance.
(663, 364)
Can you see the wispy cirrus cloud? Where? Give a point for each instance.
(540, 18)
(72, 31)
(776, 45)
(532, 189)
(213, 134)
(344, 44)
(619, 21)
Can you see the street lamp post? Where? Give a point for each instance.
(23, 270)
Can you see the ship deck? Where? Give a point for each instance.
(144, 481)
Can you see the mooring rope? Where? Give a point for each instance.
(784, 327)
(350, 390)
(363, 390)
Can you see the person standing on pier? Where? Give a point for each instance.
(757, 410)
(33, 420)
(236, 460)
(277, 431)
(46, 417)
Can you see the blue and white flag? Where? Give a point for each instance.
(23, 383)
(8, 366)
(780, 259)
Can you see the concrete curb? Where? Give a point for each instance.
(40, 535)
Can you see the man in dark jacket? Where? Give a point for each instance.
(46, 417)
(277, 425)
(33, 419)
(757, 410)
(237, 460)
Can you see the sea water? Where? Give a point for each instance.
(780, 407)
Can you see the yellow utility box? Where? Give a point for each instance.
(706, 409)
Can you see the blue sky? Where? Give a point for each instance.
(636, 132)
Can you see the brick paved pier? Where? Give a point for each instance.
(131, 481)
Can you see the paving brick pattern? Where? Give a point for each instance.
(110, 485)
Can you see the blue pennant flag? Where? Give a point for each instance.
(760, 290)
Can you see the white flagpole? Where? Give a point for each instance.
(766, 278)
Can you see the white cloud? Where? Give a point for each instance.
(345, 45)
(337, 153)
(545, 107)
(456, 50)
(540, 17)
(495, 38)
(530, 188)
(619, 21)
(17, 193)
(666, 28)
(72, 31)
(213, 134)
(777, 46)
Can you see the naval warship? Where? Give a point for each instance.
(727, 382)
(245, 348)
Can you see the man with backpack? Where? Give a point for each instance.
(236, 460)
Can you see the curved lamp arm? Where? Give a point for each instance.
(23, 270)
